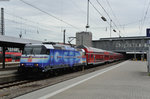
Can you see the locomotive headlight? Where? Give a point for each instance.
(22, 64)
(36, 65)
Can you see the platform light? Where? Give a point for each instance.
(103, 18)
(87, 26)
(114, 30)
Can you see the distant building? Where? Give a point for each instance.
(84, 38)
(133, 47)
(123, 44)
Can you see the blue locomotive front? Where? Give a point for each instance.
(35, 57)
(44, 57)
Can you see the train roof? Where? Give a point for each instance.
(64, 47)
(91, 49)
(94, 49)
(54, 46)
(48, 46)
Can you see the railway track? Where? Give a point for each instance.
(11, 84)
(10, 63)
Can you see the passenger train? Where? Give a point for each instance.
(50, 57)
(11, 56)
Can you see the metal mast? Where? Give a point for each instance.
(87, 26)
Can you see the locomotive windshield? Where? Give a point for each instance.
(35, 50)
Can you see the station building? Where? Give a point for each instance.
(134, 47)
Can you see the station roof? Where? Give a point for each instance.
(9, 41)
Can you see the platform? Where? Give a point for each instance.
(9, 74)
(11, 68)
(127, 80)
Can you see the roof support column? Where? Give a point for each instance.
(3, 57)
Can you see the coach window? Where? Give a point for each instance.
(106, 56)
(91, 56)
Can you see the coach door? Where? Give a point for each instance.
(91, 58)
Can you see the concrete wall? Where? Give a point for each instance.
(84, 38)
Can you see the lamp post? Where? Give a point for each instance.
(2, 33)
(110, 27)
(2, 21)
(87, 26)
(64, 36)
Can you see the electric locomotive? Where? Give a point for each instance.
(45, 57)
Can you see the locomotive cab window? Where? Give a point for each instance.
(35, 50)
(48, 51)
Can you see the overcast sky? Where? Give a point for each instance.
(127, 15)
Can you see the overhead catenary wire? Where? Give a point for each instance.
(103, 9)
(49, 14)
(143, 13)
(30, 31)
(97, 10)
(144, 18)
(99, 13)
(108, 15)
(21, 18)
(33, 22)
(78, 7)
(32, 26)
(83, 11)
(112, 11)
